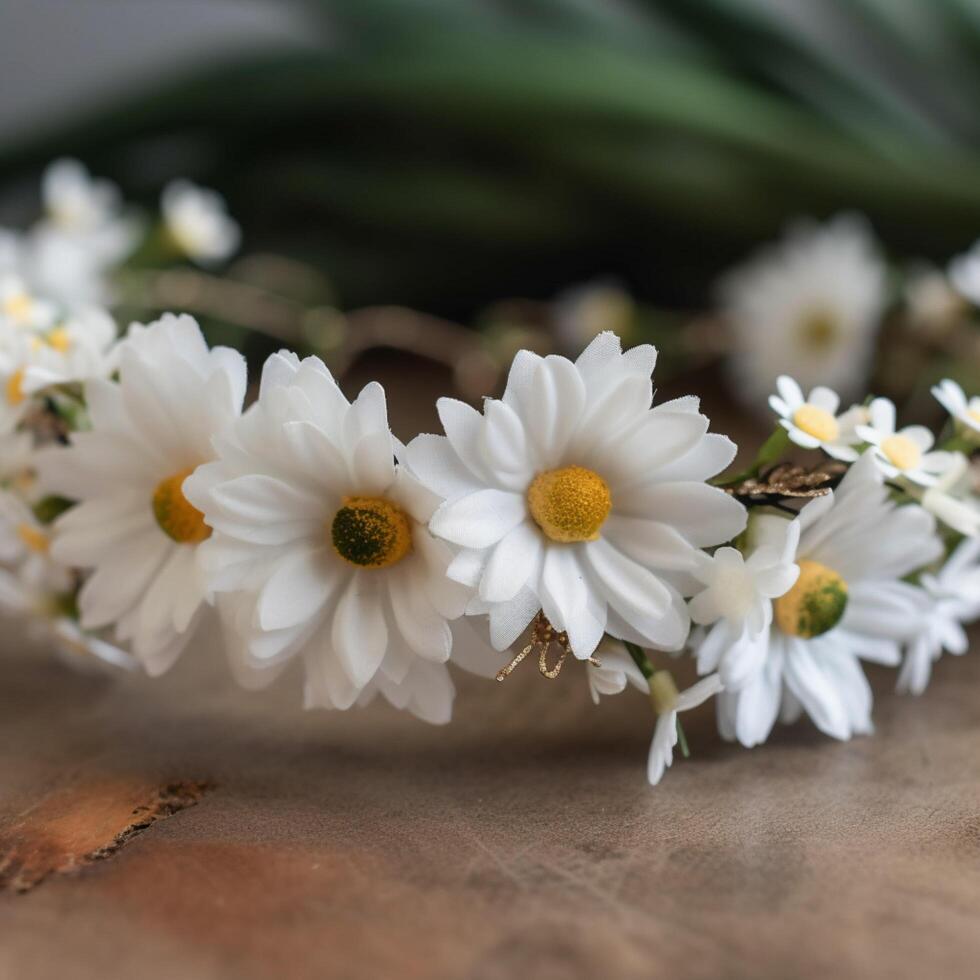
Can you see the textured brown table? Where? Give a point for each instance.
(520, 841)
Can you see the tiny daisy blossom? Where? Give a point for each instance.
(955, 591)
(737, 604)
(849, 603)
(25, 545)
(135, 527)
(16, 357)
(573, 496)
(952, 499)
(198, 222)
(612, 670)
(22, 310)
(668, 702)
(79, 349)
(903, 453)
(75, 201)
(965, 411)
(324, 536)
(809, 306)
(812, 422)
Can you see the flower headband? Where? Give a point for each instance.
(572, 519)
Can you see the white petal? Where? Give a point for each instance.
(568, 601)
(359, 633)
(628, 587)
(662, 747)
(511, 562)
(704, 514)
(297, 588)
(479, 519)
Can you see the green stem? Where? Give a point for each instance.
(682, 739)
(640, 659)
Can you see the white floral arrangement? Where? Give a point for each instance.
(571, 519)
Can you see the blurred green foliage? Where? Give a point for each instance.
(443, 153)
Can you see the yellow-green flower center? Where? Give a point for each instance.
(901, 452)
(15, 387)
(569, 504)
(177, 516)
(33, 537)
(371, 532)
(663, 692)
(818, 330)
(18, 307)
(974, 413)
(59, 339)
(816, 422)
(815, 604)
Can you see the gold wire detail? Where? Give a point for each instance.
(543, 635)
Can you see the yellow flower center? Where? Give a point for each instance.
(974, 413)
(816, 422)
(371, 532)
(663, 692)
(815, 604)
(59, 339)
(15, 387)
(901, 452)
(33, 537)
(18, 307)
(818, 330)
(177, 516)
(569, 504)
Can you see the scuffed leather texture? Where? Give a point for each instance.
(521, 841)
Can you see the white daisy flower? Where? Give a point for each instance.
(75, 201)
(813, 422)
(903, 453)
(849, 602)
(737, 603)
(964, 411)
(135, 528)
(955, 591)
(325, 537)
(952, 499)
(25, 547)
(75, 271)
(573, 496)
(612, 670)
(198, 222)
(809, 305)
(668, 702)
(79, 349)
(16, 357)
(21, 310)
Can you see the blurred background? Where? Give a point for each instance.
(448, 156)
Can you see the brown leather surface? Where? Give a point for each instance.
(520, 841)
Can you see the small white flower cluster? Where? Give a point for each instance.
(57, 343)
(571, 517)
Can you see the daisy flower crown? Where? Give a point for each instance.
(573, 519)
